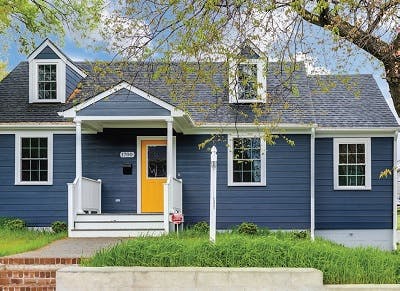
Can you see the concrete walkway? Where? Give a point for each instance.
(71, 248)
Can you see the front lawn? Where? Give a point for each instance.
(19, 241)
(339, 264)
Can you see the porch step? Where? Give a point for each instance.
(115, 232)
(119, 225)
(110, 217)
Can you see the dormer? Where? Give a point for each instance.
(49, 70)
(247, 78)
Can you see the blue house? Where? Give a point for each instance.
(112, 151)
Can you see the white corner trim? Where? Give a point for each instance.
(261, 81)
(367, 142)
(59, 53)
(33, 80)
(123, 85)
(18, 137)
(139, 165)
(395, 175)
(230, 161)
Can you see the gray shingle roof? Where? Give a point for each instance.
(358, 105)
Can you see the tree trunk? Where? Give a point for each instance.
(392, 70)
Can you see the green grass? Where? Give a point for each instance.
(339, 264)
(13, 242)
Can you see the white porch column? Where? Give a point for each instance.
(78, 163)
(170, 136)
(312, 182)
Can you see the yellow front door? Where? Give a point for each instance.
(154, 174)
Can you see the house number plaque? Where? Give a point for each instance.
(127, 154)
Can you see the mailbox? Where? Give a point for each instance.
(127, 169)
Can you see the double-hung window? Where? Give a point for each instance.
(352, 163)
(246, 161)
(33, 159)
(248, 82)
(47, 81)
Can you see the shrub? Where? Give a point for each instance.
(15, 224)
(59, 226)
(248, 228)
(4, 221)
(300, 234)
(201, 227)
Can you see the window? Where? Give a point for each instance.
(246, 161)
(352, 162)
(157, 161)
(33, 159)
(47, 82)
(248, 82)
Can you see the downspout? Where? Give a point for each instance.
(394, 236)
(312, 184)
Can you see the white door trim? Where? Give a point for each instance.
(139, 165)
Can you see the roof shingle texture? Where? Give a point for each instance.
(329, 101)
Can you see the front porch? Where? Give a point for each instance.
(106, 200)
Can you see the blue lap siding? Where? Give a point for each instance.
(340, 209)
(38, 205)
(124, 102)
(101, 160)
(72, 80)
(47, 53)
(283, 204)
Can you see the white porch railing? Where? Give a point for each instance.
(90, 198)
(91, 195)
(172, 199)
(72, 203)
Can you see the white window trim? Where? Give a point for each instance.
(230, 162)
(33, 80)
(18, 137)
(367, 143)
(261, 82)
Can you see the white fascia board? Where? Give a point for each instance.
(70, 113)
(60, 54)
(356, 132)
(123, 118)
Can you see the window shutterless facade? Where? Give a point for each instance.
(34, 159)
(246, 161)
(352, 164)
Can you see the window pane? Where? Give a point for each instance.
(43, 175)
(157, 161)
(360, 148)
(342, 159)
(360, 158)
(26, 153)
(361, 170)
(352, 180)
(342, 170)
(255, 154)
(342, 148)
(35, 176)
(351, 159)
(26, 165)
(247, 176)
(26, 176)
(43, 165)
(237, 176)
(237, 166)
(351, 170)
(342, 180)
(246, 166)
(360, 180)
(352, 148)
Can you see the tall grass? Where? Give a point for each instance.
(19, 241)
(339, 264)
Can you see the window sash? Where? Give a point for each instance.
(47, 82)
(249, 162)
(34, 159)
(247, 81)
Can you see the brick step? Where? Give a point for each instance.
(39, 261)
(27, 278)
(27, 288)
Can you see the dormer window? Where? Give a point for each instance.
(247, 82)
(47, 80)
